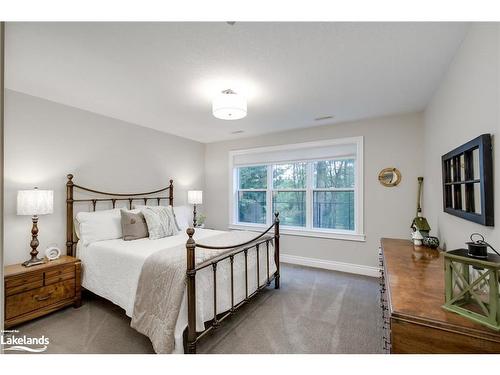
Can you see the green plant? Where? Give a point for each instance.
(200, 220)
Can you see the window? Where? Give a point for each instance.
(333, 194)
(319, 195)
(289, 193)
(252, 193)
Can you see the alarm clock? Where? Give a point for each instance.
(52, 253)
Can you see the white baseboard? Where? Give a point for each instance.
(330, 265)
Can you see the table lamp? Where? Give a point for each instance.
(34, 202)
(195, 197)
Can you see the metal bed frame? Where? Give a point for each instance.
(257, 243)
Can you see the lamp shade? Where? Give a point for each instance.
(35, 202)
(195, 197)
(229, 105)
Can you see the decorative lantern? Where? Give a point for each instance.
(472, 286)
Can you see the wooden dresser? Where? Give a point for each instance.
(38, 290)
(412, 293)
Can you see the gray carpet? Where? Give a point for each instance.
(315, 311)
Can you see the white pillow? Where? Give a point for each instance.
(183, 217)
(160, 221)
(98, 225)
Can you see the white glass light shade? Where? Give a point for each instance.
(35, 202)
(229, 105)
(195, 197)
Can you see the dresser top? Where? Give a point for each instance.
(414, 278)
(19, 269)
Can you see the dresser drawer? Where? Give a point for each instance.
(22, 280)
(23, 288)
(22, 303)
(60, 271)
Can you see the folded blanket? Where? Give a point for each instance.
(162, 284)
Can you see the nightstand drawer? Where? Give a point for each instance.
(60, 271)
(21, 280)
(23, 288)
(59, 278)
(22, 303)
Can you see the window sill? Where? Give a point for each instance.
(346, 236)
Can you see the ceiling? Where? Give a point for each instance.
(164, 75)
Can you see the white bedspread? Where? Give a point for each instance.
(111, 269)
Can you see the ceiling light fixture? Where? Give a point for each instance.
(229, 105)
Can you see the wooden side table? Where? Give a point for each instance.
(39, 290)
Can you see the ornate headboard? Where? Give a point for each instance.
(105, 197)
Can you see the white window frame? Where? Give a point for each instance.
(353, 235)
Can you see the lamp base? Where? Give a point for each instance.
(34, 244)
(194, 216)
(33, 262)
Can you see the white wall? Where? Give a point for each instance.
(44, 141)
(466, 104)
(2, 26)
(394, 141)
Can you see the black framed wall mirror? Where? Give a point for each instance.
(468, 181)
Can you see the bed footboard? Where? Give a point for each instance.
(260, 242)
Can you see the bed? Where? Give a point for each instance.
(210, 273)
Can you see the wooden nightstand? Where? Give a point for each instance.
(38, 290)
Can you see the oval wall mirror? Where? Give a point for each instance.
(389, 177)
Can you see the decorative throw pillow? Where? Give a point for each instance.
(133, 225)
(160, 221)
